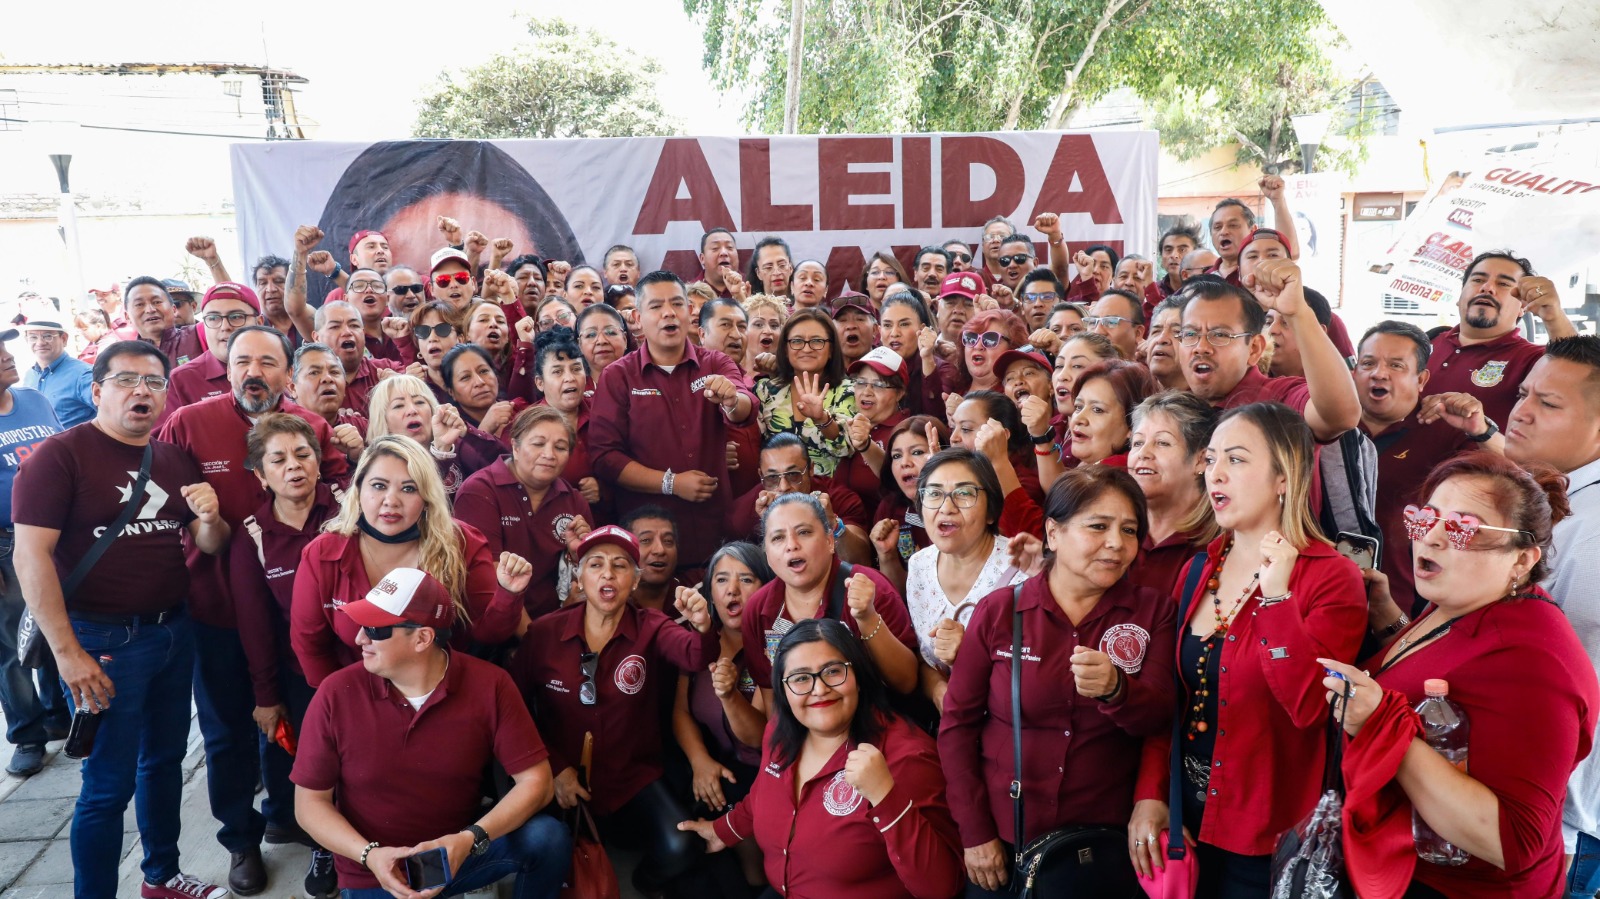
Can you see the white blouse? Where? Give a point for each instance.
(928, 603)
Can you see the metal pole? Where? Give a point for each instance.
(67, 216)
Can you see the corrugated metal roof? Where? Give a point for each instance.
(151, 68)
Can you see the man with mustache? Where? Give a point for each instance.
(719, 258)
(1485, 355)
(226, 308)
(213, 433)
(338, 326)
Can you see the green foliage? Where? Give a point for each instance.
(567, 82)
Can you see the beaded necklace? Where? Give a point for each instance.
(1197, 712)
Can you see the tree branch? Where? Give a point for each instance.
(1064, 101)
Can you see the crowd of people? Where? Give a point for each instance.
(799, 591)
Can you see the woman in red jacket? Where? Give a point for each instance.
(1513, 665)
(396, 516)
(851, 803)
(1272, 597)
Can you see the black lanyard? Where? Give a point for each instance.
(1438, 631)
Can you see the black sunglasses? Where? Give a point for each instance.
(403, 289)
(442, 329)
(379, 634)
(961, 257)
(1015, 259)
(588, 663)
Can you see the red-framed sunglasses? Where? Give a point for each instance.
(444, 280)
(1459, 529)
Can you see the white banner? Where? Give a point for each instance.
(834, 199)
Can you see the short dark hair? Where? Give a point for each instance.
(447, 365)
(1043, 273)
(1189, 232)
(1002, 409)
(1076, 489)
(1106, 249)
(102, 362)
(906, 298)
(283, 342)
(1134, 302)
(1249, 214)
(1014, 237)
(1581, 349)
(873, 709)
(648, 511)
(709, 310)
(1508, 255)
(661, 277)
(528, 259)
(940, 251)
(268, 262)
(560, 342)
(1424, 347)
(1172, 302)
(1318, 304)
(141, 281)
(306, 349)
(786, 440)
(1255, 317)
(707, 236)
(982, 469)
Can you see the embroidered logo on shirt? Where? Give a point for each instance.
(839, 798)
(630, 675)
(699, 384)
(1490, 374)
(645, 391)
(1126, 645)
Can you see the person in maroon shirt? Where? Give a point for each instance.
(906, 326)
(1166, 456)
(661, 415)
(404, 405)
(396, 515)
(1485, 355)
(319, 387)
(367, 293)
(1177, 242)
(283, 452)
(897, 531)
(1272, 597)
(1514, 666)
(522, 505)
(392, 759)
(339, 328)
(802, 553)
(1100, 682)
(562, 375)
(226, 308)
(880, 391)
(599, 668)
(851, 801)
(785, 467)
(149, 309)
(474, 388)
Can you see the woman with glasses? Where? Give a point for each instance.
(470, 379)
(960, 501)
(809, 284)
(1271, 598)
(396, 515)
(809, 395)
(1166, 455)
(984, 339)
(603, 339)
(898, 531)
(554, 312)
(585, 287)
(436, 330)
(771, 266)
(761, 338)
(403, 405)
(855, 808)
(1096, 674)
(1510, 661)
(879, 385)
(882, 270)
(596, 673)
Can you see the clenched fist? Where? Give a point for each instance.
(867, 770)
(202, 248)
(202, 500)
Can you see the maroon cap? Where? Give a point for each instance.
(1021, 354)
(1266, 234)
(961, 284)
(849, 299)
(357, 239)
(232, 290)
(404, 596)
(609, 534)
(885, 362)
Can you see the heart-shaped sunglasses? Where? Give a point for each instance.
(1459, 529)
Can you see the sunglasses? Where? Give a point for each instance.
(961, 257)
(990, 339)
(588, 663)
(379, 634)
(1016, 259)
(1459, 529)
(790, 478)
(443, 329)
(403, 289)
(444, 280)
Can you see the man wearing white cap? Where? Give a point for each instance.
(65, 381)
(391, 757)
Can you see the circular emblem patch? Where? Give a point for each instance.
(839, 798)
(1126, 645)
(630, 675)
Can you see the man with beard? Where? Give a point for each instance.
(338, 327)
(719, 262)
(621, 265)
(1485, 355)
(319, 386)
(406, 290)
(227, 307)
(213, 433)
(149, 310)
(933, 264)
(858, 327)
(1041, 291)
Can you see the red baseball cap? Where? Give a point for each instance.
(358, 237)
(1266, 234)
(609, 534)
(961, 284)
(232, 290)
(404, 596)
(884, 361)
(849, 299)
(1021, 354)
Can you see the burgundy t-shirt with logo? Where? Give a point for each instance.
(77, 482)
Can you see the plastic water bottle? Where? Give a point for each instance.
(1444, 727)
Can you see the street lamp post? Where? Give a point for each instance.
(58, 137)
(1310, 128)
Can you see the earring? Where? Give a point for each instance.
(1280, 499)
(1512, 588)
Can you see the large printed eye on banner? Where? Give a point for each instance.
(834, 199)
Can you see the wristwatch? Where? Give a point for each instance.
(1488, 432)
(1042, 439)
(480, 839)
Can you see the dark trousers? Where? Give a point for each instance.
(28, 708)
(649, 822)
(1229, 875)
(225, 701)
(277, 806)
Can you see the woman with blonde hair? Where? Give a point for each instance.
(396, 515)
(767, 314)
(404, 406)
(1166, 455)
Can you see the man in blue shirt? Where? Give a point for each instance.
(62, 379)
(32, 716)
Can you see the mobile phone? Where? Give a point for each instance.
(1358, 548)
(427, 870)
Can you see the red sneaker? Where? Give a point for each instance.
(183, 887)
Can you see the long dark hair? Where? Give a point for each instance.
(873, 711)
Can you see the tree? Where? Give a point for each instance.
(569, 82)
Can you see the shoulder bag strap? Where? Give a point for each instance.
(836, 596)
(1175, 848)
(135, 500)
(1016, 717)
(254, 528)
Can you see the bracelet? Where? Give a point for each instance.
(1114, 690)
(369, 847)
(441, 454)
(838, 527)
(1395, 628)
(874, 630)
(1274, 600)
(666, 483)
(1051, 450)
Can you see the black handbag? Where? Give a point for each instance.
(1089, 862)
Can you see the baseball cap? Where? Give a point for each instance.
(404, 596)
(446, 255)
(232, 290)
(173, 285)
(11, 334)
(963, 284)
(1020, 354)
(884, 361)
(357, 237)
(849, 299)
(1266, 234)
(609, 534)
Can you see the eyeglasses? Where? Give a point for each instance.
(403, 289)
(380, 634)
(564, 317)
(1110, 321)
(128, 381)
(215, 319)
(990, 339)
(444, 280)
(591, 333)
(1015, 259)
(1048, 296)
(1459, 529)
(372, 284)
(963, 497)
(782, 265)
(1191, 337)
(834, 674)
(876, 385)
(793, 478)
(993, 238)
(815, 343)
(442, 329)
(588, 663)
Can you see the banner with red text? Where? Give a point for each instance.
(834, 199)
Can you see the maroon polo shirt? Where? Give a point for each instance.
(332, 573)
(1256, 387)
(516, 379)
(403, 776)
(263, 557)
(180, 344)
(825, 839)
(1158, 564)
(358, 385)
(382, 348)
(766, 603)
(912, 536)
(662, 420)
(744, 524)
(1080, 757)
(638, 669)
(1407, 452)
(855, 473)
(198, 379)
(1491, 371)
(495, 502)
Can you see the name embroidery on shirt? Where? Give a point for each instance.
(699, 384)
(630, 675)
(839, 798)
(1126, 645)
(1027, 654)
(1490, 374)
(645, 391)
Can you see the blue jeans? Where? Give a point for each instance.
(138, 752)
(539, 853)
(1583, 880)
(27, 708)
(223, 702)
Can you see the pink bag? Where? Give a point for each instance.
(1177, 879)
